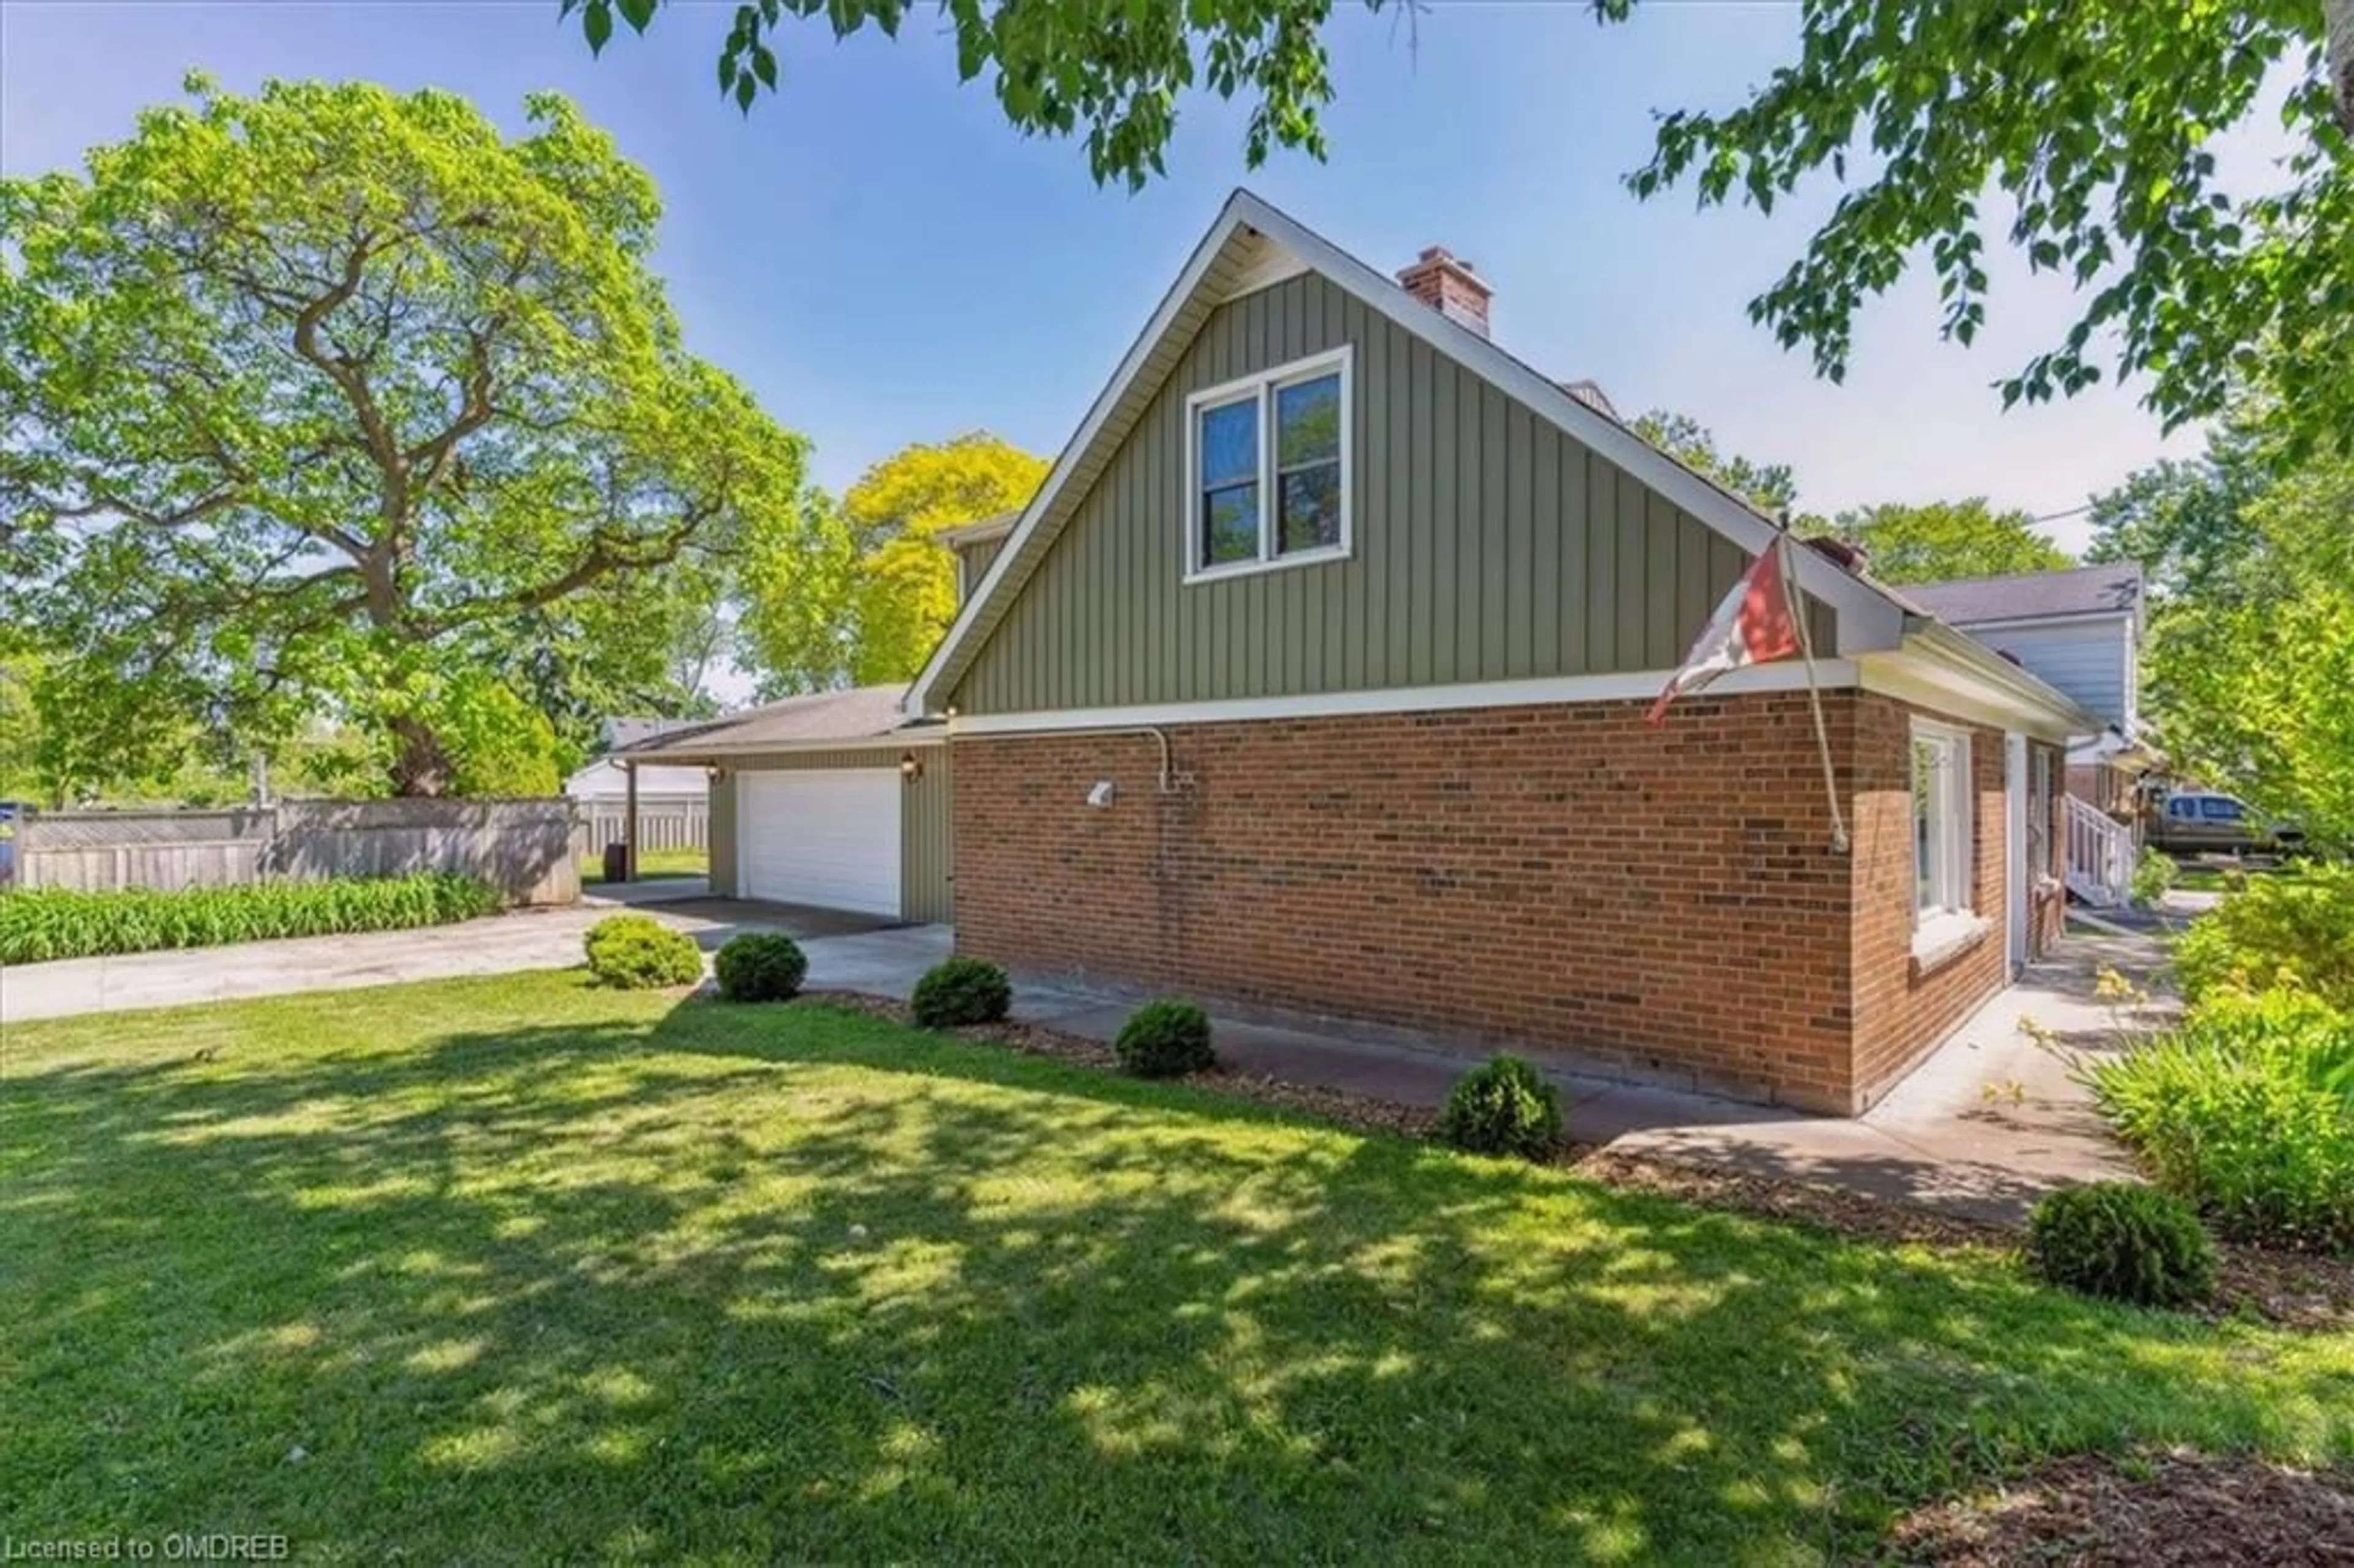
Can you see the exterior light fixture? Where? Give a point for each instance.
(1101, 794)
(910, 768)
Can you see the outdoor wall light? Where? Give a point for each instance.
(1101, 794)
(910, 769)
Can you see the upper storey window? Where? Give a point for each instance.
(1268, 468)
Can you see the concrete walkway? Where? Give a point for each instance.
(848, 952)
(1987, 1125)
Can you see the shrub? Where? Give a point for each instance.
(760, 966)
(2294, 924)
(2124, 1240)
(1165, 1039)
(1502, 1106)
(2247, 1109)
(38, 924)
(2153, 873)
(958, 992)
(638, 952)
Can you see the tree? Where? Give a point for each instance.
(1945, 540)
(2247, 674)
(1769, 487)
(2090, 121)
(865, 590)
(336, 401)
(2186, 523)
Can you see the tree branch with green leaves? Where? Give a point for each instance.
(2079, 133)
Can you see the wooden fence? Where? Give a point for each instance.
(662, 824)
(523, 848)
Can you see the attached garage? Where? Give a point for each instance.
(828, 837)
(832, 800)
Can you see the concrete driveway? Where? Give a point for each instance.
(852, 952)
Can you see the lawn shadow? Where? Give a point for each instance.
(657, 1280)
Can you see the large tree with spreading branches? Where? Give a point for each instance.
(337, 401)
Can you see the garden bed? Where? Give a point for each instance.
(2156, 1511)
(41, 925)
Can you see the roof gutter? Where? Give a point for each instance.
(717, 749)
(1942, 668)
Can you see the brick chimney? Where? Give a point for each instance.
(1449, 287)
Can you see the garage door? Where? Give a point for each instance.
(828, 837)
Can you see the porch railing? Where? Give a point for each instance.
(2098, 854)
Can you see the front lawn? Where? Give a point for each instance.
(516, 1269)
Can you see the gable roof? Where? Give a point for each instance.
(2111, 589)
(1239, 247)
(822, 718)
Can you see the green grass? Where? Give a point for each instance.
(653, 865)
(523, 1270)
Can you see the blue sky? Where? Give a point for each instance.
(883, 260)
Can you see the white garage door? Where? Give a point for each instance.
(828, 837)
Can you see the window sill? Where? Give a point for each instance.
(1940, 939)
(1253, 568)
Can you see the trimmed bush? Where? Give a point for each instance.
(638, 952)
(1502, 1106)
(2124, 1240)
(2153, 875)
(2290, 925)
(760, 966)
(955, 992)
(2247, 1109)
(1165, 1039)
(38, 924)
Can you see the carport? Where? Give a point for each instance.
(834, 800)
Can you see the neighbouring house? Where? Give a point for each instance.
(2081, 630)
(1314, 679)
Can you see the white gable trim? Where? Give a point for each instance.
(918, 702)
(1869, 619)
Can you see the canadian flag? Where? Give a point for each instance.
(1752, 626)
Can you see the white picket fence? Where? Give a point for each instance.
(662, 825)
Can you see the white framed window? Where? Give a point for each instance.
(1942, 806)
(1268, 468)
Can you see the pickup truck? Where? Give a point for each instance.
(2198, 822)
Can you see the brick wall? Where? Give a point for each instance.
(1903, 1009)
(1660, 904)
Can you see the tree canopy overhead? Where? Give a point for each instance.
(336, 399)
(2081, 133)
(1945, 540)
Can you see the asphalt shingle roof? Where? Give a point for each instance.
(863, 713)
(2111, 589)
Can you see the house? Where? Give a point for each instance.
(2079, 630)
(1314, 679)
(605, 780)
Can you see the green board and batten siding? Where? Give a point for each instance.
(1488, 546)
(926, 870)
(976, 558)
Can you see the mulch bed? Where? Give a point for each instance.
(2154, 1511)
(2296, 1290)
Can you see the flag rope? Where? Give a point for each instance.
(1791, 596)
